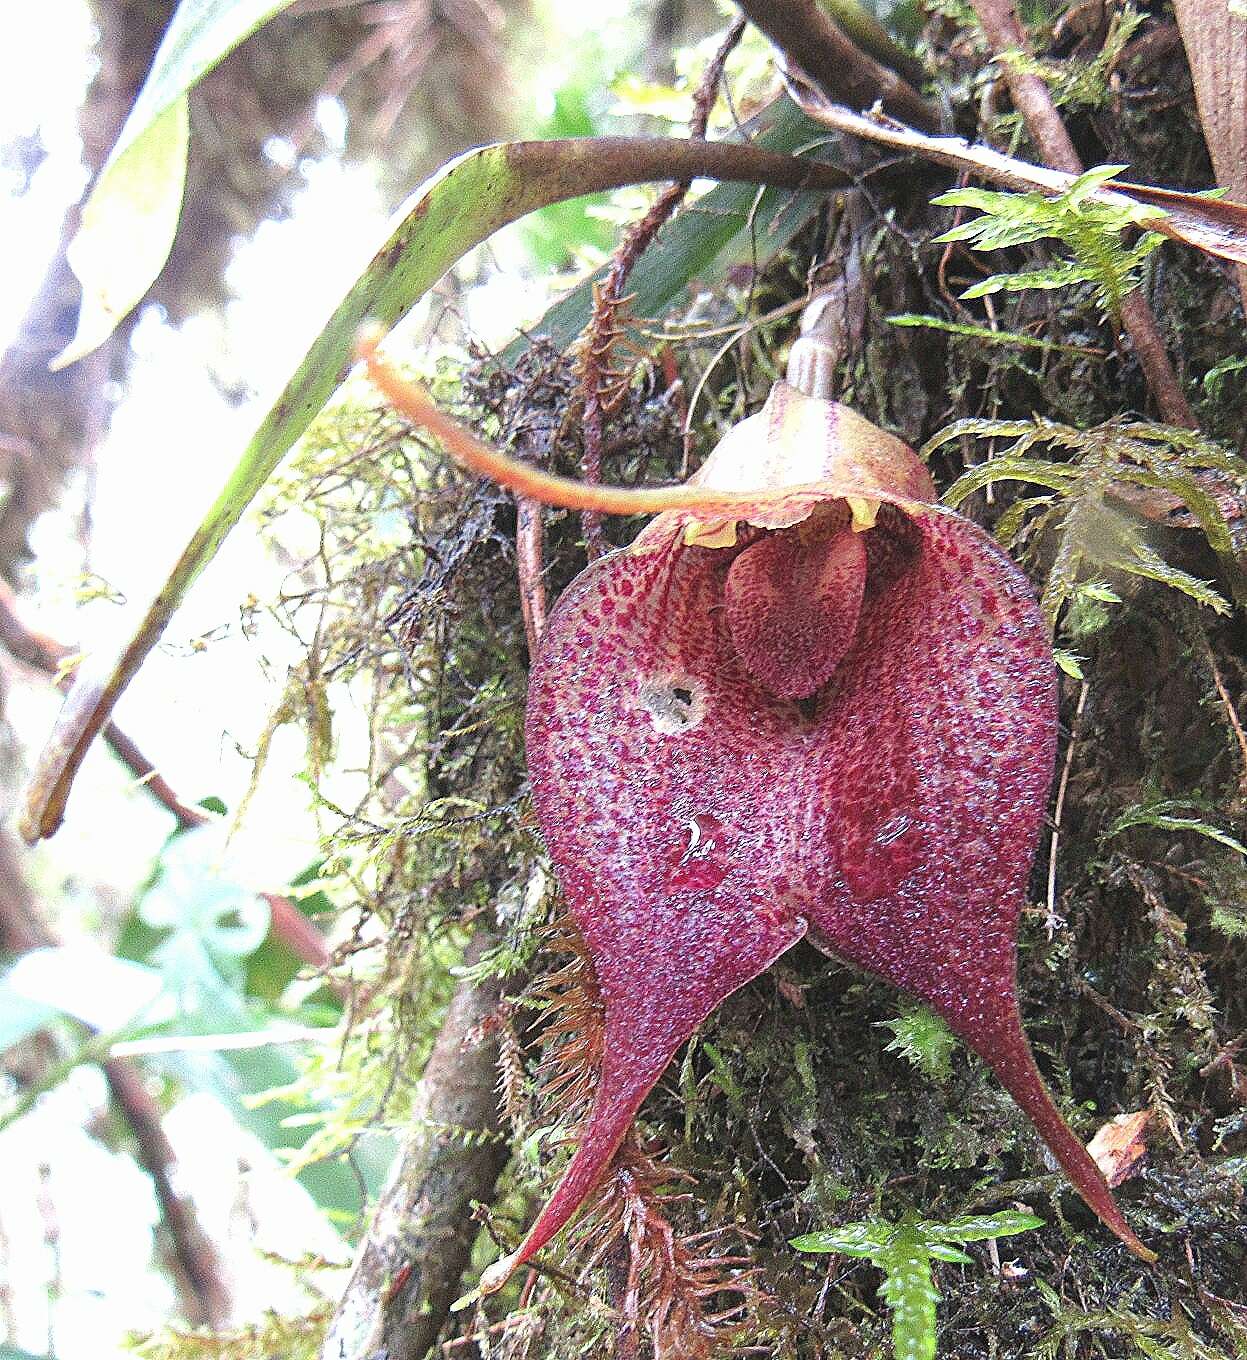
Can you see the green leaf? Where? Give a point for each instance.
(903, 1251)
(1217, 374)
(1086, 184)
(1079, 217)
(924, 1039)
(1056, 476)
(1164, 817)
(992, 337)
(854, 1239)
(131, 216)
(979, 1227)
(910, 1293)
(82, 982)
(195, 896)
(338, 1186)
(127, 229)
(458, 208)
(985, 200)
(1140, 559)
(1060, 275)
(1069, 663)
(1096, 590)
(695, 239)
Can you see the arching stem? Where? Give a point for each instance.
(525, 480)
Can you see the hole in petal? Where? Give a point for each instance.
(808, 707)
(674, 705)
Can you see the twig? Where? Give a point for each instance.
(510, 1323)
(1033, 100)
(1050, 921)
(603, 387)
(1118, 1017)
(195, 1256)
(193, 1251)
(1230, 712)
(529, 535)
(1216, 226)
(804, 32)
(41, 653)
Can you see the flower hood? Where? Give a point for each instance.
(807, 702)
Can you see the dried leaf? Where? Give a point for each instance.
(1119, 1146)
(1214, 33)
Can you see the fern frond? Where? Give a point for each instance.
(1092, 477)
(1090, 230)
(904, 1251)
(1172, 814)
(1004, 468)
(1076, 84)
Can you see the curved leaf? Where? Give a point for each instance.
(131, 216)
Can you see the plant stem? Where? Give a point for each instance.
(609, 300)
(565, 492)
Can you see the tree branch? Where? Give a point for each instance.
(804, 32)
(418, 1244)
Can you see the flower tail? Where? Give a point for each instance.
(1004, 1048)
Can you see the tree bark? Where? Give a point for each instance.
(409, 1268)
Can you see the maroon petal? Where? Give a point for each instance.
(643, 749)
(698, 819)
(931, 800)
(733, 739)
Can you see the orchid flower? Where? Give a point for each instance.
(806, 702)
